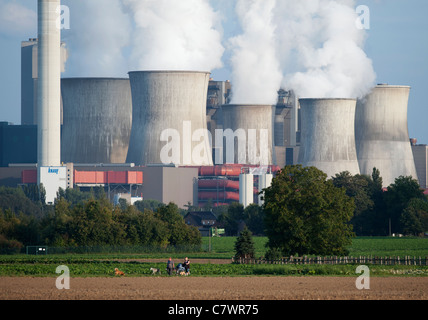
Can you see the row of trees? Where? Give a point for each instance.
(402, 208)
(80, 219)
(306, 213)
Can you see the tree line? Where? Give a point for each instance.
(304, 212)
(89, 219)
(401, 208)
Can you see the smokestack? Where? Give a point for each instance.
(327, 136)
(50, 174)
(49, 85)
(381, 133)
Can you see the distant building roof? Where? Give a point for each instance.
(200, 219)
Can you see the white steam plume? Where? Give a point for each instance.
(99, 33)
(175, 35)
(321, 49)
(256, 74)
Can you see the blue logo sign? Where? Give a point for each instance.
(51, 170)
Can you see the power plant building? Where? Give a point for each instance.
(29, 78)
(420, 154)
(178, 130)
(381, 133)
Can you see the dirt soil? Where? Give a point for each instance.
(214, 288)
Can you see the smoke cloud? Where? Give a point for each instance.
(321, 49)
(310, 46)
(256, 74)
(175, 35)
(98, 37)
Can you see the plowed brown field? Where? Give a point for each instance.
(214, 288)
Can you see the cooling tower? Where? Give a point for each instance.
(97, 119)
(49, 82)
(381, 133)
(169, 118)
(327, 135)
(248, 135)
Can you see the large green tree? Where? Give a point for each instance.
(306, 214)
(414, 219)
(397, 198)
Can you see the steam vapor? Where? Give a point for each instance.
(175, 35)
(322, 49)
(100, 32)
(310, 46)
(256, 75)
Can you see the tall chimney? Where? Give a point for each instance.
(50, 173)
(49, 84)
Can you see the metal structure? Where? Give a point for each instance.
(253, 126)
(265, 181)
(169, 118)
(49, 82)
(381, 133)
(327, 136)
(97, 119)
(246, 188)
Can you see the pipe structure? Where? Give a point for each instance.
(381, 133)
(49, 83)
(97, 119)
(327, 136)
(253, 126)
(169, 118)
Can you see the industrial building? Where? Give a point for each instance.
(173, 136)
(29, 78)
(18, 144)
(420, 153)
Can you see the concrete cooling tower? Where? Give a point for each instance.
(327, 135)
(97, 115)
(381, 133)
(248, 132)
(169, 118)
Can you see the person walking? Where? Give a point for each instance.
(170, 266)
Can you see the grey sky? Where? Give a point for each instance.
(397, 43)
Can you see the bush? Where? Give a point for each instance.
(9, 246)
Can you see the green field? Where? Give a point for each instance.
(101, 265)
(361, 246)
